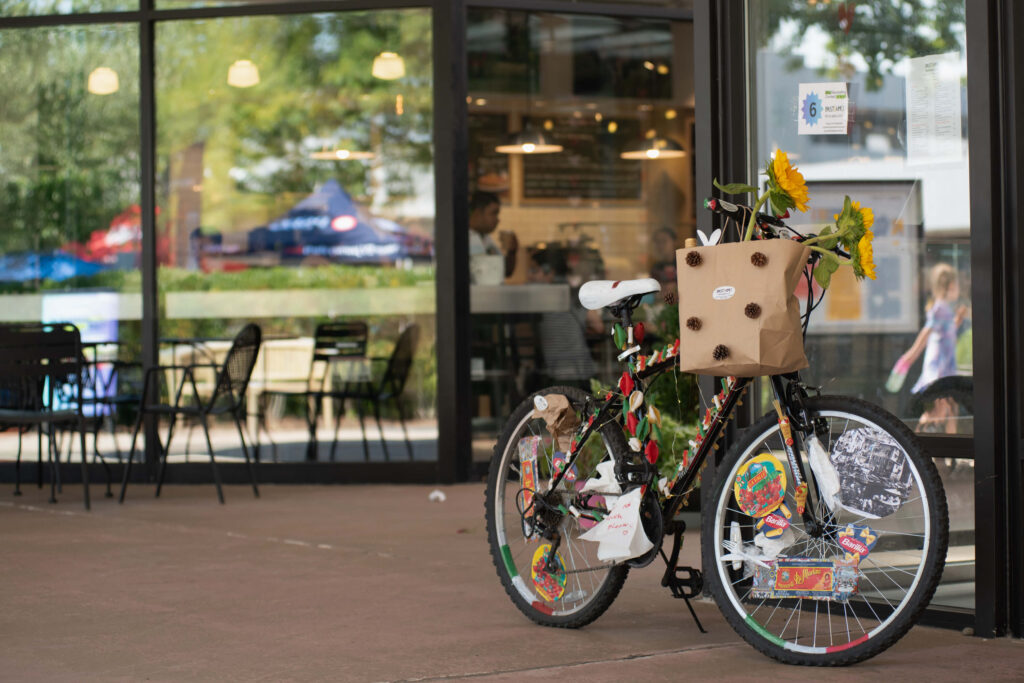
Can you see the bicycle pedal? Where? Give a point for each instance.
(685, 582)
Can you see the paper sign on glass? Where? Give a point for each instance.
(823, 109)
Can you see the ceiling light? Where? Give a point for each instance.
(341, 155)
(528, 142)
(103, 81)
(655, 148)
(388, 66)
(243, 74)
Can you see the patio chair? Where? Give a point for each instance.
(338, 351)
(388, 387)
(41, 385)
(232, 378)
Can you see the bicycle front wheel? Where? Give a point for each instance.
(581, 587)
(849, 589)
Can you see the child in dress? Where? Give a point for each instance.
(937, 339)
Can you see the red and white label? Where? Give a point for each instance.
(776, 521)
(852, 545)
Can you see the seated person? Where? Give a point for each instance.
(484, 209)
(564, 352)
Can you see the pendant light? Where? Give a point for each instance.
(341, 154)
(388, 66)
(653, 146)
(103, 81)
(243, 74)
(528, 141)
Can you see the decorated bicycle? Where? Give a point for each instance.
(827, 527)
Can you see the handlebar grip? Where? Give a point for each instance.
(725, 208)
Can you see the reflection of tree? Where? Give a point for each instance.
(881, 32)
(69, 159)
(315, 86)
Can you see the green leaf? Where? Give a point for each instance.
(828, 264)
(827, 242)
(619, 335)
(734, 188)
(643, 429)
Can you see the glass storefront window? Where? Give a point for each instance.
(294, 188)
(23, 8)
(902, 151)
(542, 224)
(69, 200)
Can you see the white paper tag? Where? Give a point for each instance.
(723, 293)
(621, 535)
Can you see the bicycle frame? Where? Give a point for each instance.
(641, 372)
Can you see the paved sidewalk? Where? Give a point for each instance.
(361, 583)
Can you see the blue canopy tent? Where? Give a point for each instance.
(56, 266)
(328, 224)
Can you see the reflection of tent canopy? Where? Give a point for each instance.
(57, 266)
(329, 224)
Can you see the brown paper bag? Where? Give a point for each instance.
(559, 416)
(737, 311)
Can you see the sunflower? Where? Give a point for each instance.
(865, 253)
(851, 231)
(786, 186)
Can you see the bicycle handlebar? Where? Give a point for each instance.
(742, 213)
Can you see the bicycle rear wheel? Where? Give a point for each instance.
(584, 586)
(845, 592)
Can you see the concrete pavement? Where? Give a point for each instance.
(360, 583)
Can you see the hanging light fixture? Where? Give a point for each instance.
(341, 154)
(529, 141)
(655, 148)
(388, 66)
(243, 74)
(103, 81)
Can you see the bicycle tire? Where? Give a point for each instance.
(588, 593)
(903, 568)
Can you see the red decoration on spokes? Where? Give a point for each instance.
(651, 451)
(631, 423)
(638, 333)
(626, 384)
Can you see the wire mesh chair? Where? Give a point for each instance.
(335, 346)
(41, 385)
(232, 379)
(388, 387)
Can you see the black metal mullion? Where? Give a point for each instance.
(1011, 114)
(147, 201)
(984, 42)
(451, 241)
(593, 8)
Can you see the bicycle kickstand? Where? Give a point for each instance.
(684, 582)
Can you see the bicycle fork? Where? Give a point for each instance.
(796, 425)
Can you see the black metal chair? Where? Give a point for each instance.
(41, 385)
(388, 387)
(228, 397)
(335, 345)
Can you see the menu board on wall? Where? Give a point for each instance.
(589, 167)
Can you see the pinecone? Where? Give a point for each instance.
(721, 352)
(693, 323)
(758, 259)
(752, 311)
(693, 259)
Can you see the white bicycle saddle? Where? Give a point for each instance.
(601, 293)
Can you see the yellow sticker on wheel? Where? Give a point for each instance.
(760, 485)
(548, 577)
